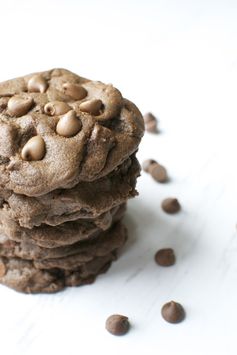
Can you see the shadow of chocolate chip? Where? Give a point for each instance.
(27, 135)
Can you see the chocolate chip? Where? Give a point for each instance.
(150, 123)
(146, 164)
(37, 83)
(165, 257)
(158, 172)
(173, 312)
(75, 91)
(2, 269)
(171, 205)
(19, 106)
(91, 106)
(55, 108)
(117, 324)
(69, 125)
(34, 149)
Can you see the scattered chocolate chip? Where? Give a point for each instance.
(56, 108)
(91, 106)
(34, 149)
(37, 83)
(19, 106)
(75, 91)
(148, 117)
(117, 324)
(69, 125)
(171, 205)
(158, 172)
(165, 257)
(150, 123)
(146, 164)
(173, 312)
(2, 269)
(151, 127)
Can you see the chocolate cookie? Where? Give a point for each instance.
(65, 256)
(111, 241)
(22, 276)
(27, 276)
(58, 129)
(85, 200)
(64, 234)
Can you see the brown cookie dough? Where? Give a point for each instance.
(85, 200)
(26, 276)
(64, 234)
(22, 276)
(81, 130)
(68, 256)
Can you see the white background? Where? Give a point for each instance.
(177, 59)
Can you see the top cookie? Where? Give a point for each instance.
(58, 129)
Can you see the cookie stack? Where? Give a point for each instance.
(67, 168)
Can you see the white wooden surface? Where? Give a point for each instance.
(179, 60)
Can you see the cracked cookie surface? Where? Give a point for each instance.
(58, 129)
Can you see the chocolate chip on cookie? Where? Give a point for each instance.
(158, 172)
(19, 106)
(75, 91)
(150, 123)
(173, 312)
(34, 149)
(69, 124)
(56, 108)
(37, 83)
(110, 131)
(91, 106)
(117, 324)
(165, 257)
(171, 205)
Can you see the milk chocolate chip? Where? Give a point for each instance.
(117, 324)
(75, 91)
(2, 269)
(34, 149)
(173, 312)
(147, 163)
(68, 125)
(19, 106)
(56, 108)
(165, 257)
(91, 106)
(171, 205)
(37, 83)
(150, 123)
(158, 172)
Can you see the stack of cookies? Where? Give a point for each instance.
(67, 168)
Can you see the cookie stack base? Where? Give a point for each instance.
(30, 276)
